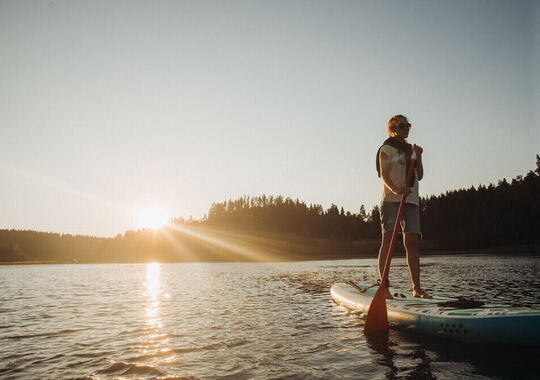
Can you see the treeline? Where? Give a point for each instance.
(277, 228)
(175, 243)
(269, 214)
(20, 246)
(505, 214)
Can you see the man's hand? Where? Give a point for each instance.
(403, 190)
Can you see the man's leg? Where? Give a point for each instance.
(413, 261)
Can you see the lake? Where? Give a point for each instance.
(244, 321)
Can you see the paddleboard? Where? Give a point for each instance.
(494, 325)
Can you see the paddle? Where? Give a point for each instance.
(377, 317)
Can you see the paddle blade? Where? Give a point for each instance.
(377, 317)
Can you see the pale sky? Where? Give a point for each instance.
(107, 107)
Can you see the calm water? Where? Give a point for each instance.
(252, 321)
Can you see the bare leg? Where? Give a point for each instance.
(413, 261)
(383, 254)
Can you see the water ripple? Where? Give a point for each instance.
(124, 369)
(47, 334)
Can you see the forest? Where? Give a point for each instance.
(270, 228)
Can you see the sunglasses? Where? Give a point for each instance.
(402, 126)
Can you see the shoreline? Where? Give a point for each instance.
(521, 250)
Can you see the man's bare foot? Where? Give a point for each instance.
(421, 294)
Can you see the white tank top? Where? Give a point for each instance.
(398, 172)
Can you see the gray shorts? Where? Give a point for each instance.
(410, 222)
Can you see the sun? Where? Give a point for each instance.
(154, 217)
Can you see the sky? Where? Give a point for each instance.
(108, 108)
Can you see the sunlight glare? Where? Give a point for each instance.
(153, 217)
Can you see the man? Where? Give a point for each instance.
(393, 159)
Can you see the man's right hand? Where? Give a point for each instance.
(403, 190)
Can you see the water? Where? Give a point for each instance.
(242, 321)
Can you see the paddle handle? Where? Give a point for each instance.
(408, 177)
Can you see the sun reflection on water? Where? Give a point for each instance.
(152, 279)
(155, 342)
(152, 292)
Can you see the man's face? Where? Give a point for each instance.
(402, 128)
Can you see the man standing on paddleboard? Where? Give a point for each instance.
(393, 159)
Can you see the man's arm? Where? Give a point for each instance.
(419, 166)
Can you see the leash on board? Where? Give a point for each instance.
(459, 303)
(363, 290)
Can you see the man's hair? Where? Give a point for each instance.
(394, 120)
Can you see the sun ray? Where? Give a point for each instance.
(179, 247)
(31, 176)
(228, 242)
